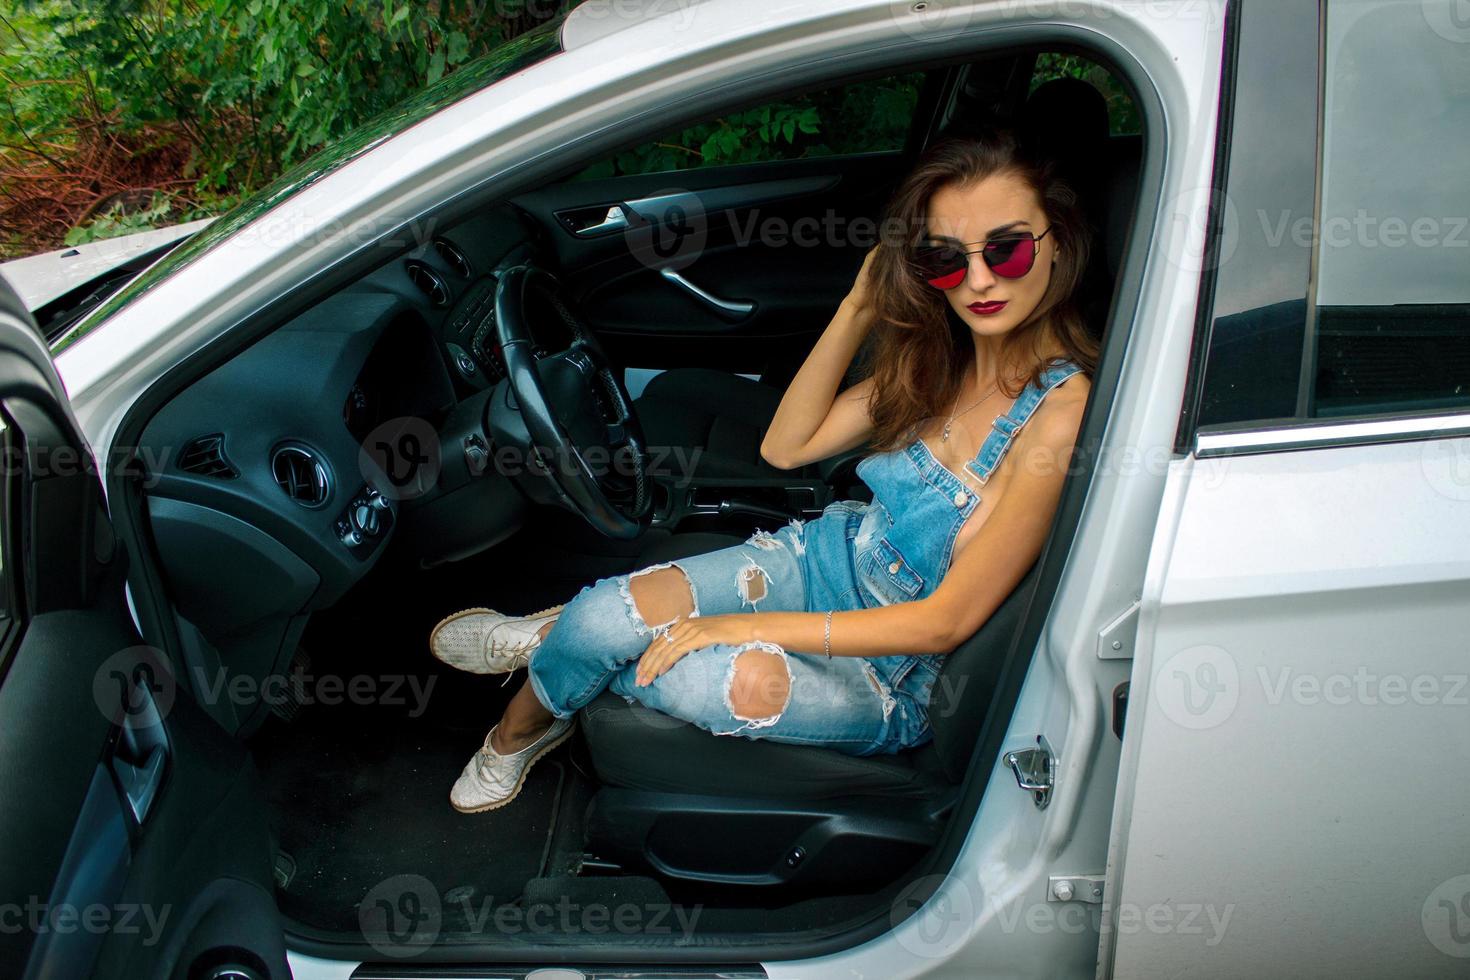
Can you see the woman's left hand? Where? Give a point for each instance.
(691, 634)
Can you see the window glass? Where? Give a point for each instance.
(1123, 117)
(861, 117)
(1393, 241)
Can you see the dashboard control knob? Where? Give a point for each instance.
(377, 501)
(463, 362)
(476, 454)
(365, 519)
(352, 537)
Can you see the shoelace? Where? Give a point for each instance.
(535, 641)
(485, 751)
(508, 647)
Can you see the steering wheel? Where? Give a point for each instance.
(576, 419)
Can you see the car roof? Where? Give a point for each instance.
(597, 19)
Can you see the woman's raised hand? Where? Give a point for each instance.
(859, 296)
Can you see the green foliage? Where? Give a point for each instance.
(37, 70)
(260, 83)
(120, 221)
(857, 118)
(239, 89)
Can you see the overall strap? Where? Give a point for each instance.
(1006, 426)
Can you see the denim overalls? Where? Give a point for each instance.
(854, 556)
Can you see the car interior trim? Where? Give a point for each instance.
(1314, 434)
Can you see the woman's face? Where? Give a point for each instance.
(970, 215)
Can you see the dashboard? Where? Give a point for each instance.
(279, 478)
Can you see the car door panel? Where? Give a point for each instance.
(1298, 706)
(139, 841)
(784, 237)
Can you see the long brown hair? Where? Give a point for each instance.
(918, 350)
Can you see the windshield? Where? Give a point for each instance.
(520, 52)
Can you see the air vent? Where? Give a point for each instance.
(429, 283)
(453, 257)
(301, 475)
(206, 457)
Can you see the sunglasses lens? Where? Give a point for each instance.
(942, 267)
(1010, 258)
(949, 281)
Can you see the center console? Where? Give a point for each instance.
(736, 505)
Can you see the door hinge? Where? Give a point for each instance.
(1076, 888)
(1034, 768)
(1115, 640)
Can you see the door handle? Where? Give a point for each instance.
(140, 783)
(592, 222)
(729, 309)
(139, 757)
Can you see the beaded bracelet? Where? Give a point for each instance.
(827, 636)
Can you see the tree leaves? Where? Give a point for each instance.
(856, 118)
(253, 86)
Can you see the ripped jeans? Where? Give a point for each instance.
(856, 705)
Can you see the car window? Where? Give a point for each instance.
(860, 117)
(515, 55)
(1123, 119)
(1392, 303)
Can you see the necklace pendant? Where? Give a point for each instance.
(944, 436)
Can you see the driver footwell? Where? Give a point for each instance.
(358, 779)
(358, 801)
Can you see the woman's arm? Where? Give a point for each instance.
(986, 571)
(993, 563)
(812, 421)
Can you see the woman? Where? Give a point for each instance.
(832, 632)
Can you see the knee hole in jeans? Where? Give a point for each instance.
(758, 687)
(660, 594)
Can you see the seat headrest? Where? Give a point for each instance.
(1066, 119)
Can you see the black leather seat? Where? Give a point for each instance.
(671, 787)
(724, 416)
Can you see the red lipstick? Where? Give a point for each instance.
(987, 309)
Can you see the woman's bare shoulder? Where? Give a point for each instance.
(1073, 391)
(1059, 415)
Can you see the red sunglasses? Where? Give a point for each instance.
(1009, 256)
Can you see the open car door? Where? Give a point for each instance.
(136, 841)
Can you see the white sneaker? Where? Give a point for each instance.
(483, 641)
(492, 780)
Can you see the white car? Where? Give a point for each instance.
(1219, 730)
